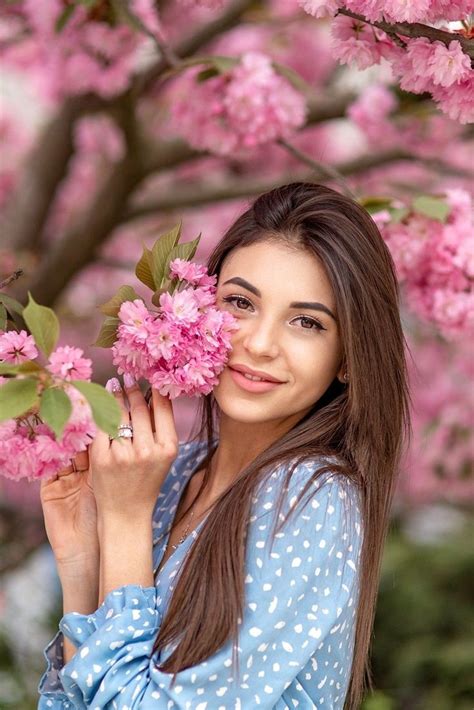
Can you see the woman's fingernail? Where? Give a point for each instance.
(113, 385)
(128, 380)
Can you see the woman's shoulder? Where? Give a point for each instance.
(314, 482)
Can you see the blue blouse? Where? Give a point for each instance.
(297, 632)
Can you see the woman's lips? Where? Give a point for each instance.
(252, 385)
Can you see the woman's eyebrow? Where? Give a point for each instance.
(315, 306)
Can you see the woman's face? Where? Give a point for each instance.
(298, 345)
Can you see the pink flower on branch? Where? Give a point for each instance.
(68, 363)
(16, 347)
(182, 348)
(29, 448)
(247, 106)
(433, 257)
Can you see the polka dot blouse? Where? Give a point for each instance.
(296, 636)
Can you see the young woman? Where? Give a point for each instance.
(240, 569)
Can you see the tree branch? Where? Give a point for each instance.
(187, 47)
(415, 29)
(322, 171)
(22, 223)
(13, 277)
(196, 196)
(78, 247)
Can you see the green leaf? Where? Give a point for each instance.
(3, 317)
(104, 406)
(160, 252)
(55, 409)
(374, 204)
(108, 333)
(43, 325)
(7, 368)
(184, 251)
(223, 64)
(112, 307)
(11, 304)
(432, 207)
(143, 269)
(205, 74)
(295, 79)
(17, 397)
(155, 299)
(64, 18)
(24, 368)
(398, 214)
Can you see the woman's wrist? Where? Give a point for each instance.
(81, 597)
(126, 552)
(85, 568)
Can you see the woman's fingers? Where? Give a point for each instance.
(140, 417)
(101, 443)
(82, 460)
(165, 434)
(79, 463)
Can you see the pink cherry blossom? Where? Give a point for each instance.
(17, 347)
(187, 270)
(356, 41)
(181, 306)
(442, 421)
(434, 263)
(67, 362)
(449, 65)
(247, 106)
(182, 347)
(320, 8)
(29, 449)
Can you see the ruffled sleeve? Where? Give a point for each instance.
(52, 695)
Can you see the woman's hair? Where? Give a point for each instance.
(364, 424)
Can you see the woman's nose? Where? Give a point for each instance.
(261, 340)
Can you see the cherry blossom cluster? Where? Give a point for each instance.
(435, 262)
(392, 10)
(90, 52)
(182, 348)
(28, 447)
(441, 420)
(420, 64)
(244, 107)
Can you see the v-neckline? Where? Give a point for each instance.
(193, 534)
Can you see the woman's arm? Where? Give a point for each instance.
(126, 552)
(80, 589)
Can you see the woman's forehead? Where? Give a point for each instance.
(276, 268)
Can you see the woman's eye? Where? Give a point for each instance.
(313, 323)
(236, 299)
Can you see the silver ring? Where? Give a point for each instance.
(124, 431)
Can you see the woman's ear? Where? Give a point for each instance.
(340, 374)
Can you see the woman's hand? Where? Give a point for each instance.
(70, 516)
(127, 474)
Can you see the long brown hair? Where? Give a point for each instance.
(364, 424)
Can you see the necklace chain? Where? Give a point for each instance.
(185, 533)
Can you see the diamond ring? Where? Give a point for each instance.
(125, 431)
